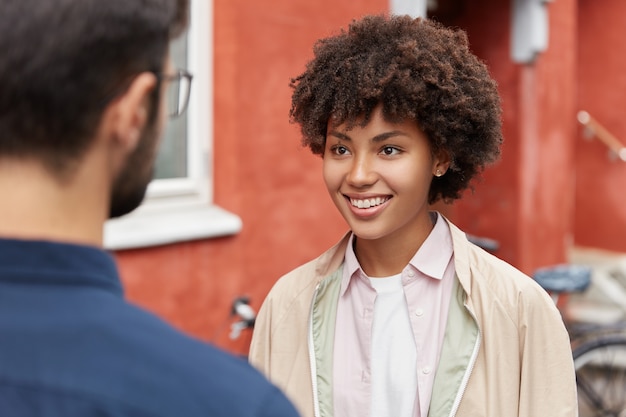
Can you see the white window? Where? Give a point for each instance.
(178, 204)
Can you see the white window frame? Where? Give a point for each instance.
(182, 209)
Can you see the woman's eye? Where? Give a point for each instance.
(390, 150)
(339, 150)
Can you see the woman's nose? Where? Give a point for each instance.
(361, 172)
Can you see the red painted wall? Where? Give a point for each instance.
(547, 166)
(601, 181)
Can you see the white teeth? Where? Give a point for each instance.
(367, 203)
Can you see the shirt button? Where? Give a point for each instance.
(426, 370)
(419, 312)
(365, 376)
(411, 273)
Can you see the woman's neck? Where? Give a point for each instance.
(391, 254)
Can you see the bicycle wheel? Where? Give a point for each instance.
(601, 376)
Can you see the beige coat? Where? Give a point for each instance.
(506, 352)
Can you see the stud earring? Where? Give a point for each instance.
(438, 173)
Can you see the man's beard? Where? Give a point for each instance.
(131, 184)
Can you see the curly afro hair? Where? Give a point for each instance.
(415, 69)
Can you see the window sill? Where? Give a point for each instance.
(146, 228)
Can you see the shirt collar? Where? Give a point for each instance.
(351, 265)
(55, 263)
(431, 258)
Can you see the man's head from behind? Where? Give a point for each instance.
(64, 62)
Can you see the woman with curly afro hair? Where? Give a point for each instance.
(405, 317)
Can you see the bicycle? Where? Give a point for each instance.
(598, 349)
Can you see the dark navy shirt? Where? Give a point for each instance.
(70, 346)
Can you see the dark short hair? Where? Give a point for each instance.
(63, 61)
(416, 69)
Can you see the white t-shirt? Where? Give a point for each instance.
(394, 355)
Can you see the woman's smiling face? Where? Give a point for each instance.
(379, 175)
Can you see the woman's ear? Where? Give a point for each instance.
(131, 110)
(441, 163)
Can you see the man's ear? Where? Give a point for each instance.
(129, 113)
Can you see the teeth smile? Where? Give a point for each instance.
(368, 202)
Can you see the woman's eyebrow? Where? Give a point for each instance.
(384, 136)
(378, 138)
(339, 135)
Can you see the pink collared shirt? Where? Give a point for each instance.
(427, 281)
